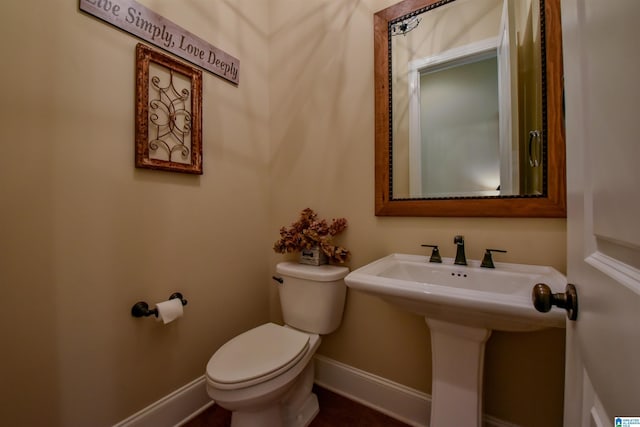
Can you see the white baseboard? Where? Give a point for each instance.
(175, 409)
(403, 403)
(396, 400)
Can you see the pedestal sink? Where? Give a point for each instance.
(461, 305)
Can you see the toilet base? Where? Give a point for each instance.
(273, 416)
(303, 415)
(297, 408)
(268, 417)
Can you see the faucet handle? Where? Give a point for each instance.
(487, 261)
(458, 240)
(435, 254)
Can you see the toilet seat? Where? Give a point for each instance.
(256, 356)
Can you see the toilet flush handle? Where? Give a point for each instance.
(278, 279)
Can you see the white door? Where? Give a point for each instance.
(601, 44)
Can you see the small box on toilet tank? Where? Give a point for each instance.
(313, 256)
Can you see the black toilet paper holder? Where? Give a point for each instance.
(141, 308)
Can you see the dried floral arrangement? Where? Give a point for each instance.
(309, 231)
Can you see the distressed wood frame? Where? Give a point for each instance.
(144, 142)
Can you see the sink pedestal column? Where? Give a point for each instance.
(458, 361)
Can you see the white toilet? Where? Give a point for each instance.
(264, 376)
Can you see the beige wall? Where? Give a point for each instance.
(84, 235)
(322, 133)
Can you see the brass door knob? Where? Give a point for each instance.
(543, 299)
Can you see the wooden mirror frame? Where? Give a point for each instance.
(552, 204)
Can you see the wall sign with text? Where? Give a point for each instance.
(132, 17)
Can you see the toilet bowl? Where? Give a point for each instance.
(265, 375)
(278, 395)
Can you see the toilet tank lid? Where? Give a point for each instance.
(319, 273)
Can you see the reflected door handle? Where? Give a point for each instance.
(543, 299)
(534, 158)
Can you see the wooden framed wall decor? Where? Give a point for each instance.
(168, 113)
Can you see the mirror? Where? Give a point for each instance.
(469, 109)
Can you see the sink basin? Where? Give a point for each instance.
(462, 305)
(496, 299)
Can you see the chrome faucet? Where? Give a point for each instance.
(461, 258)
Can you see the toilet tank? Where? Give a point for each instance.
(312, 297)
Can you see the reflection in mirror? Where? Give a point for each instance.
(467, 90)
(471, 110)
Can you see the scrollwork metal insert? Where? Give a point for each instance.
(172, 119)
